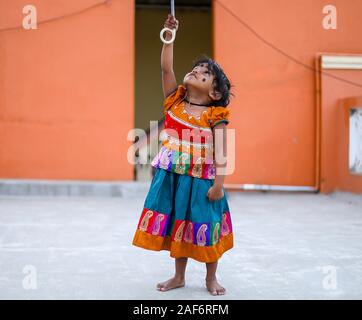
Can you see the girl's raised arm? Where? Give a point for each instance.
(169, 83)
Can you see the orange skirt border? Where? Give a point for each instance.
(183, 249)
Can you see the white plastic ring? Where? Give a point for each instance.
(173, 31)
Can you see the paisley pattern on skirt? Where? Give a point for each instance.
(177, 216)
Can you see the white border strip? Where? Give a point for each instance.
(187, 123)
(341, 62)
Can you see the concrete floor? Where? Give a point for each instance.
(287, 246)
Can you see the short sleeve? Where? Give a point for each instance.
(174, 97)
(219, 115)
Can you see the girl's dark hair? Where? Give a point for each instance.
(221, 82)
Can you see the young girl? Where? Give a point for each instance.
(186, 210)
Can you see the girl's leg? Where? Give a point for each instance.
(211, 283)
(178, 280)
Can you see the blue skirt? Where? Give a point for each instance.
(178, 216)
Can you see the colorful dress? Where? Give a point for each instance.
(177, 214)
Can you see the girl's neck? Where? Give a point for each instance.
(195, 104)
(194, 100)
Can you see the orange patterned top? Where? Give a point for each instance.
(187, 141)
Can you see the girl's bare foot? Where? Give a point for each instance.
(214, 287)
(172, 283)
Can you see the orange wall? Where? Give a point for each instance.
(66, 90)
(274, 113)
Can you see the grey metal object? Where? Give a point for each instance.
(173, 31)
(355, 141)
(267, 187)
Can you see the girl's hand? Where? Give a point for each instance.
(215, 193)
(171, 23)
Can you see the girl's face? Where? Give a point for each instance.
(200, 78)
